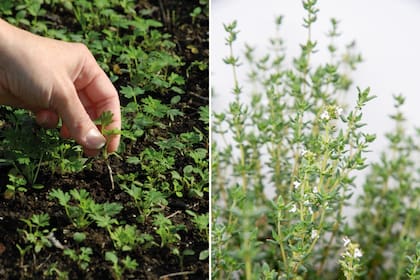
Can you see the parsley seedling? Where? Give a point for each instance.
(104, 120)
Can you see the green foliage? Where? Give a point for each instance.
(37, 233)
(127, 238)
(16, 184)
(55, 272)
(282, 181)
(140, 58)
(28, 152)
(390, 203)
(147, 201)
(413, 268)
(81, 209)
(166, 230)
(201, 221)
(118, 267)
(81, 257)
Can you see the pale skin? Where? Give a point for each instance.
(56, 79)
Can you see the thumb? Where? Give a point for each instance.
(76, 119)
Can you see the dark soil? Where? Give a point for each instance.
(154, 262)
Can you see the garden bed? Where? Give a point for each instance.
(60, 217)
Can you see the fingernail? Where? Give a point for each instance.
(94, 140)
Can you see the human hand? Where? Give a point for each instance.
(56, 79)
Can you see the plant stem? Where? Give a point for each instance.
(283, 253)
(111, 177)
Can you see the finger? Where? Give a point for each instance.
(91, 153)
(64, 132)
(99, 95)
(75, 118)
(46, 118)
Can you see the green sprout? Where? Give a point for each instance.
(81, 209)
(37, 234)
(118, 270)
(81, 257)
(104, 120)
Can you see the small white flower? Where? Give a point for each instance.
(325, 115)
(357, 253)
(303, 152)
(338, 111)
(293, 209)
(310, 210)
(296, 184)
(315, 189)
(346, 241)
(314, 234)
(306, 203)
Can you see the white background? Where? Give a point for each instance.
(387, 33)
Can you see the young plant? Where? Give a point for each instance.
(167, 231)
(81, 256)
(119, 267)
(22, 252)
(54, 271)
(153, 201)
(79, 213)
(16, 184)
(81, 209)
(147, 200)
(201, 222)
(37, 233)
(104, 120)
(66, 158)
(182, 255)
(125, 238)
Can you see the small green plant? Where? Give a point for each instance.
(201, 221)
(104, 120)
(66, 158)
(29, 153)
(22, 252)
(146, 200)
(182, 255)
(16, 184)
(195, 13)
(81, 256)
(166, 230)
(125, 237)
(202, 9)
(18, 146)
(81, 209)
(37, 233)
(153, 201)
(55, 272)
(119, 267)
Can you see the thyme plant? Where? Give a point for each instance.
(285, 165)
